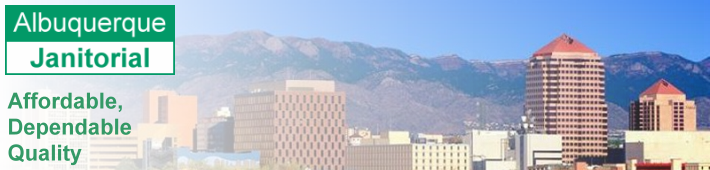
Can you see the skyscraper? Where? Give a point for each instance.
(293, 122)
(564, 90)
(662, 107)
(168, 107)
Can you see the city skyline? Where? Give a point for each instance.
(374, 85)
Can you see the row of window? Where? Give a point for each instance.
(310, 115)
(289, 98)
(317, 138)
(310, 153)
(569, 102)
(311, 107)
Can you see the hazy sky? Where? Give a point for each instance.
(490, 30)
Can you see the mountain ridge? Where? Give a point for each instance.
(498, 84)
(388, 88)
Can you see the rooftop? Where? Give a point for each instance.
(662, 87)
(563, 43)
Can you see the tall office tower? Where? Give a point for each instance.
(564, 91)
(167, 107)
(662, 107)
(293, 122)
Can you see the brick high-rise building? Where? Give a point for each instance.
(293, 122)
(662, 107)
(564, 90)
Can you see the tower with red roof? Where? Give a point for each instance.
(564, 91)
(662, 107)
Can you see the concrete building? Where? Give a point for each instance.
(108, 152)
(534, 150)
(408, 157)
(490, 150)
(293, 122)
(564, 90)
(662, 107)
(391, 151)
(690, 146)
(168, 107)
(215, 133)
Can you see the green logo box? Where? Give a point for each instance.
(147, 13)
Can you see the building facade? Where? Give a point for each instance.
(662, 107)
(490, 150)
(109, 151)
(408, 157)
(168, 107)
(564, 90)
(298, 122)
(534, 150)
(393, 150)
(691, 146)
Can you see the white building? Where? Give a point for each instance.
(490, 150)
(690, 146)
(392, 150)
(537, 149)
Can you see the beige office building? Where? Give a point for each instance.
(408, 157)
(690, 146)
(299, 122)
(108, 151)
(392, 150)
(662, 107)
(168, 107)
(533, 150)
(565, 93)
(490, 150)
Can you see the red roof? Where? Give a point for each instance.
(563, 43)
(662, 87)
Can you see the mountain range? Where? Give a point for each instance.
(388, 88)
